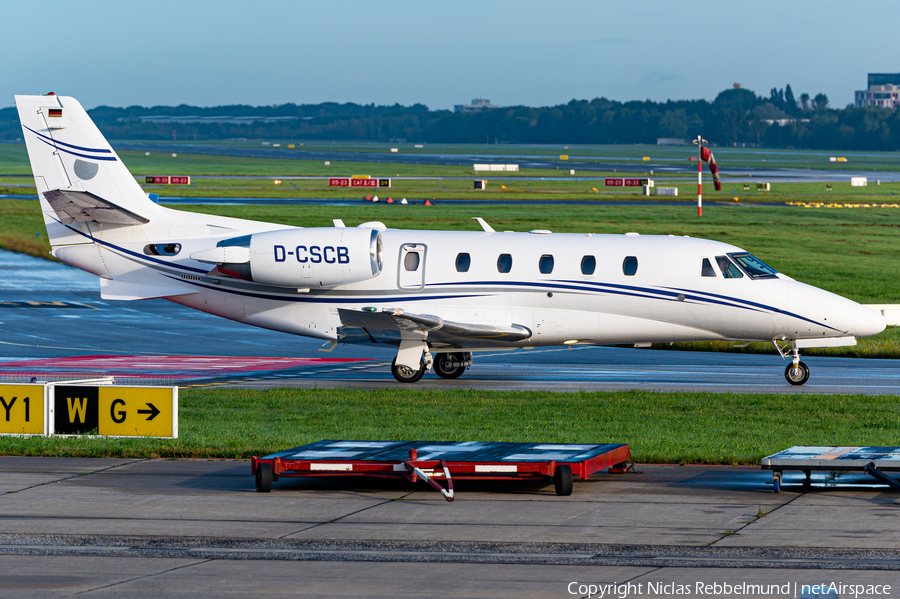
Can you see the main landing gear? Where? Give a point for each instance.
(796, 372)
(451, 366)
(405, 374)
(446, 366)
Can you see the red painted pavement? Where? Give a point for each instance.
(169, 366)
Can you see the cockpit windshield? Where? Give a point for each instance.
(754, 267)
(729, 270)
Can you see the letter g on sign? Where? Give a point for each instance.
(118, 416)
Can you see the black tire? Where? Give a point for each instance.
(264, 477)
(405, 374)
(562, 480)
(448, 372)
(798, 377)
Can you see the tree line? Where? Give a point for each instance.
(735, 116)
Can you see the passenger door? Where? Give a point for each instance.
(411, 270)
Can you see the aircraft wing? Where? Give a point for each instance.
(388, 326)
(75, 206)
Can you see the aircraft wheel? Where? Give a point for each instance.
(443, 366)
(264, 477)
(562, 480)
(405, 374)
(796, 376)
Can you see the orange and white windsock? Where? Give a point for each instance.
(708, 158)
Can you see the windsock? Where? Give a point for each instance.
(708, 158)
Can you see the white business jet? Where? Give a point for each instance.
(436, 296)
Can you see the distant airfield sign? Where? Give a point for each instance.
(358, 181)
(620, 182)
(167, 180)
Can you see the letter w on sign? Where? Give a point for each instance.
(77, 408)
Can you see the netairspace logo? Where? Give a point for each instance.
(723, 589)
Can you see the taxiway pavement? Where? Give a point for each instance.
(52, 314)
(160, 528)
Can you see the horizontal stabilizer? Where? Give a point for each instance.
(75, 206)
(111, 289)
(387, 325)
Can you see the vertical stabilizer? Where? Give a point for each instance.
(68, 152)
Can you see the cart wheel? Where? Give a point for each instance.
(776, 485)
(562, 480)
(264, 477)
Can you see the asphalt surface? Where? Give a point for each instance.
(161, 528)
(158, 528)
(51, 313)
(747, 174)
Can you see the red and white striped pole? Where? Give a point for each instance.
(700, 141)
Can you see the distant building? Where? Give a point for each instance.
(782, 122)
(883, 91)
(884, 79)
(477, 105)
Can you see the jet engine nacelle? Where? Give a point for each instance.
(315, 257)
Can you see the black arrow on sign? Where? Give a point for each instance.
(153, 411)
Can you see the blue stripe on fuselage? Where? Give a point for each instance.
(607, 288)
(134, 254)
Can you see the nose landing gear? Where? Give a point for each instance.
(796, 372)
(796, 375)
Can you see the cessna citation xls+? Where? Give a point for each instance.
(436, 296)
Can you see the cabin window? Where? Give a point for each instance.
(546, 264)
(463, 261)
(588, 265)
(162, 249)
(753, 266)
(729, 270)
(629, 266)
(707, 270)
(411, 261)
(504, 263)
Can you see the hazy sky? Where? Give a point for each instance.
(210, 53)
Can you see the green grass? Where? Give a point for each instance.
(22, 228)
(850, 252)
(725, 156)
(695, 428)
(437, 187)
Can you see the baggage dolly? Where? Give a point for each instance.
(433, 461)
(874, 461)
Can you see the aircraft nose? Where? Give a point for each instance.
(868, 322)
